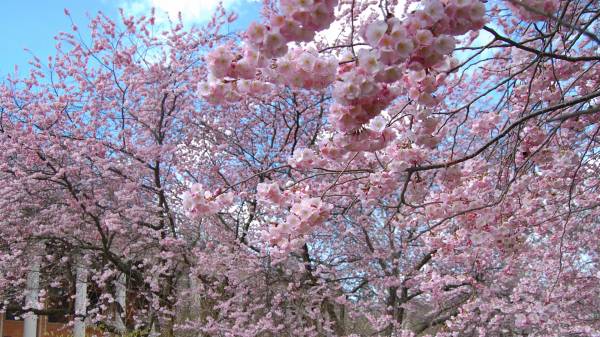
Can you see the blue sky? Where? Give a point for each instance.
(32, 24)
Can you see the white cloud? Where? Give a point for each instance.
(192, 11)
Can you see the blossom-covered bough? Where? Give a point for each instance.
(340, 168)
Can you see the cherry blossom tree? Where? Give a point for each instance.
(91, 139)
(340, 168)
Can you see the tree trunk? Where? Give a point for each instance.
(121, 297)
(31, 299)
(80, 300)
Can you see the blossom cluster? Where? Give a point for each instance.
(378, 185)
(198, 202)
(533, 10)
(416, 50)
(304, 68)
(299, 21)
(425, 130)
(304, 216)
(223, 62)
(217, 92)
(231, 75)
(425, 37)
(533, 137)
(365, 140)
(264, 42)
(359, 97)
(422, 85)
(270, 193)
(304, 159)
